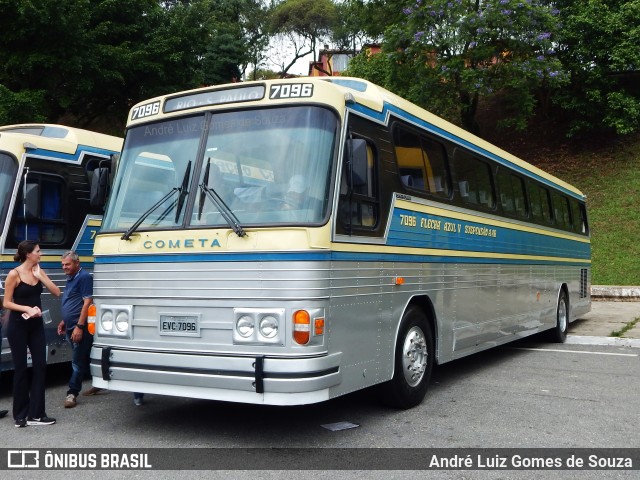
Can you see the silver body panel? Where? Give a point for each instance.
(476, 307)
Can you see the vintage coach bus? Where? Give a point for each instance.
(285, 242)
(45, 187)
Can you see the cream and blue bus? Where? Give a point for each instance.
(285, 242)
(53, 184)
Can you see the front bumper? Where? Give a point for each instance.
(248, 379)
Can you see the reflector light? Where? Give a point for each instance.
(319, 326)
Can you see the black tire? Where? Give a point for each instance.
(414, 357)
(559, 333)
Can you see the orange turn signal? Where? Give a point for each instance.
(301, 327)
(91, 319)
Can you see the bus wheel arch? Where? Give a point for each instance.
(414, 357)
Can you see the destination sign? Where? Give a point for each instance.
(214, 97)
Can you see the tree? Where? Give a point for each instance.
(450, 53)
(304, 23)
(87, 62)
(599, 47)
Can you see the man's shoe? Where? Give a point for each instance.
(3, 413)
(21, 423)
(70, 401)
(41, 421)
(92, 391)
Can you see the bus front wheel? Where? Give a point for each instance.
(414, 356)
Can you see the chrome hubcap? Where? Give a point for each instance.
(414, 356)
(562, 315)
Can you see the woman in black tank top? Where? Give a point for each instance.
(22, 296)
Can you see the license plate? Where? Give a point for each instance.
(180, 325)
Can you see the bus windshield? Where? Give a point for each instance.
(256, 167)
(8, 170)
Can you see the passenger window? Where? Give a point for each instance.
(474, 180)
(561, 211)
(540, 206)
(512, 196)
(421, 162)
(579, 217)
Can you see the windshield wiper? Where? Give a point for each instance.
(183, 193)
(153, 208)
(225, 211)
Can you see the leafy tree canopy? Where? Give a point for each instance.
(449, 53)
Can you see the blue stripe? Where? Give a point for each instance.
(497, 240)
(387, 108)
(314, 256)
(75, 157)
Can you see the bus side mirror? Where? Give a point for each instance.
(99, 187)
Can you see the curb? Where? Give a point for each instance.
(615, 293)
(615, 341)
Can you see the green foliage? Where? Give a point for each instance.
(608, 172)
(375, 68)
(21, 107)
(599, 47)
(91, 60)
(460, 50)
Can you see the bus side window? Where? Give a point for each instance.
(474, 180)
(421, 162)
(579, 217)
(540, 206)
(44, 220)
(512, 196)
(561, 211)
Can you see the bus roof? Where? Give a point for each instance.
(360, 95)
(381, 100)
(60, 138)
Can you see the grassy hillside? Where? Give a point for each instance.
(608, 171)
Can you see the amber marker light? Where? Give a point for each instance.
(398, 280)
(91, 319)
(301, 327)
(318, 323)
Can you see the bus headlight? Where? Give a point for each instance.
(106, 321)
(245, 326)
(269, 326)
(115, 320)
(122, 321)
(258, 326)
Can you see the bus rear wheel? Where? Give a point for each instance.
(559, 333)
(414, 356)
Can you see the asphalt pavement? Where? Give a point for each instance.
(613, 309)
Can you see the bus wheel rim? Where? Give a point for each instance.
(414, 356)
(562, 315)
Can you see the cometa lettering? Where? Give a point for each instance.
(182, 244)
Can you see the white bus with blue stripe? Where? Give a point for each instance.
(46, 194)
(289, 241)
